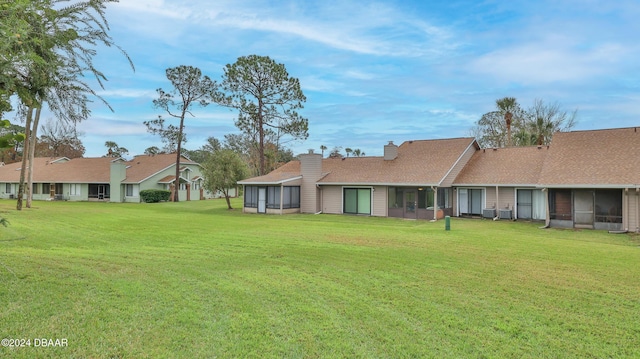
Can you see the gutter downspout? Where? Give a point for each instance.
(547, 220)
(321, 198)
(497, 204)
(637, 208)
(625, 204)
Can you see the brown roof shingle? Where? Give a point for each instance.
(418, 162)
(89, 170)
(504, 166)
(424, 162)
(76, 170)
(608, 157)
(142, 167)
(285, 172)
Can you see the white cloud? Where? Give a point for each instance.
(548, 62)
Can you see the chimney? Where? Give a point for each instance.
(390, 151)
(311, 171)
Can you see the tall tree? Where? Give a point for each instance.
(202, 154)
(335, 152)
(59, 139)
(153, 150)
(115, 151)
(222, 171)
(248, 149)
(11, 141)
(546, 119)
(533, 126)
(169, 134)
(190, 88)
(323, 148)
(50, 61)
(348, 150)
(266, 98)
(358, 152)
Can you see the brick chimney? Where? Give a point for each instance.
(311, 170)
(390, 151)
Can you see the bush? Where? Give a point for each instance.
(154, 195)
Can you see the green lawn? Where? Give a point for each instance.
(193, 280)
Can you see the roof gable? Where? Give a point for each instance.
(142, 167)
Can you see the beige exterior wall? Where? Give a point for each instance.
(331, 199)
(311, 169)
(380, 198)
(631, 210)
(455, 171)
(506, 197)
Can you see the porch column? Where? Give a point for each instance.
(281, 196)
(547, 219)
(435, 203)
(498, 202)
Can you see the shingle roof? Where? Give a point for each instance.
(89, 170)
(77, 170)
(289, 170)
(418, 162)
(504, 166)
(142, 167)
(424, 162)
(599, 158)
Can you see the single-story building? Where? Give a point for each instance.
(105, 178)
(593, 179)
(409, 181)
(583, 179)
(502, 183)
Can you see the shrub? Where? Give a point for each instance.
(154, 195)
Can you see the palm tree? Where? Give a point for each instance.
(547, 119)
(348, 151)
(508, 105)
(357, 152)
(322, 148)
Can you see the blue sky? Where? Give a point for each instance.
(375, 71)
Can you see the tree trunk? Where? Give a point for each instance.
(261, 132)
(32, 152)
(25, 153)
(176, 195)
(226, 196)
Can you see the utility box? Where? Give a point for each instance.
(506, 214)
(489, 213)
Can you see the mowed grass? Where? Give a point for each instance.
(194, 280)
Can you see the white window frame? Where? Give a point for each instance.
(135, 190)
(75, 189)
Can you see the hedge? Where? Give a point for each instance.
(154, 195)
